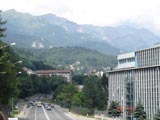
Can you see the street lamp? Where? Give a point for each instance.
(11, 44)
(14, 64)
(17, 62)
(19, 72)
(2, 72)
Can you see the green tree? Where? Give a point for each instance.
(139, 112)
(113, 110)
(36, 82)
(8, 79)
(95, 95)
(9, 82)
(58, 91)
(78, 99)
(89, 91)
(55, 81)
(25, 86)
(31, 84)
(45, 86)
(157, 115)
(2, 29)
(79, 79)
(66, 96)
(104, 83)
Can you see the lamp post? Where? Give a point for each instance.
(11, 44)
(12, 101)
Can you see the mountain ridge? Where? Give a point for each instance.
(50, 30)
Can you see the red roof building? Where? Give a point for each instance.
(64, 73)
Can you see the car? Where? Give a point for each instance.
(16, 107)
(33, 103)
(49, 108)
(45, 105)
(52, 106)
(39, 104)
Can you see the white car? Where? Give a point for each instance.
(12, 118)
(49, 108)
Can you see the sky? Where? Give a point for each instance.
(144, 13)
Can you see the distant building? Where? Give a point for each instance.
(80, 87)
(94, 72)
(64, 73)
(29, 71)
(136, 78)
(99, 73)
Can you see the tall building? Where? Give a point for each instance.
(137, 78)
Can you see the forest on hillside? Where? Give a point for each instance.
(81, 59)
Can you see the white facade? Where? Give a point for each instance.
(126, 60)
(137, 78)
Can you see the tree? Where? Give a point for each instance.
(79, 79)
(89, 91)
(25, 86)
(66, 96)
(113, 110)
(104, 83)
(78, 99)
(2, 30)
(8, 79)
(9, 82)
(95, 95)
(139, 112)
(157, 115)
(55, 81)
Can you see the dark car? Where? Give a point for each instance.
(52, 106)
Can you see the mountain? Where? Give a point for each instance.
(47, 31)
(124, 37)
(76, 58)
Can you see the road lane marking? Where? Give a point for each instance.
(45, 113)
(35, 118)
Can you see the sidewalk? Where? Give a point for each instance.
(78, 117)
(24, 112)
(103, 117)
(73, 115)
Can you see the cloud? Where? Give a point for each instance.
(97, 12)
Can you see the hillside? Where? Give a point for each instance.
(80, 59)
(47, 31)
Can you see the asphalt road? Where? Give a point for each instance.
(40, 113)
